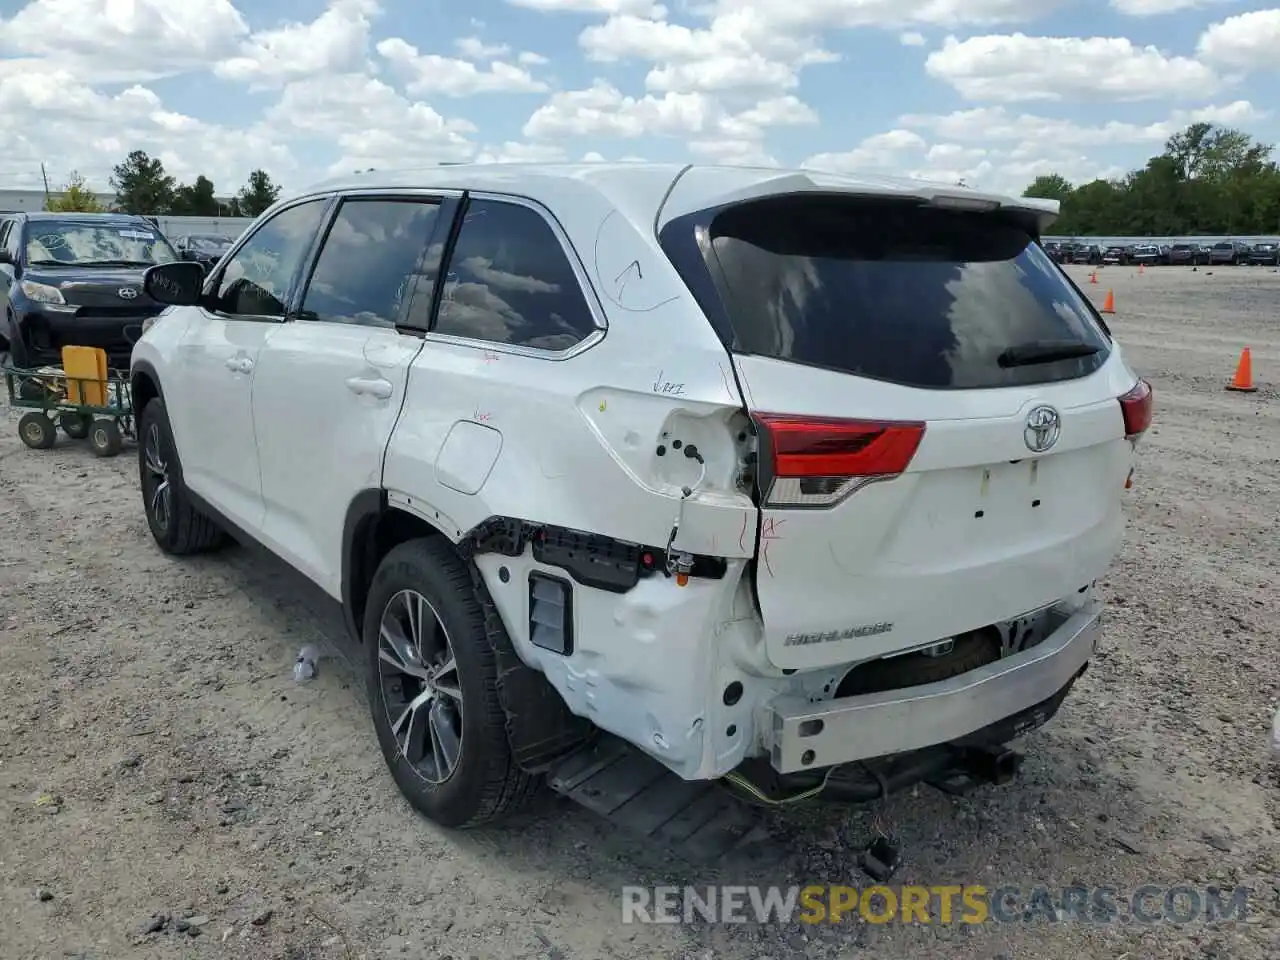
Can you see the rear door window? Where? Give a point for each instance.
(510, 281)
(907, 294)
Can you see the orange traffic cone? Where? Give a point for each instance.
(1093, 277)
(1142, 268)
(1109, 305)
(1242, 382)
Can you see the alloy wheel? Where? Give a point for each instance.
(159, 492)
(421, 690)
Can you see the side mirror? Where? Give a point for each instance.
(179, 283)
(6, 257)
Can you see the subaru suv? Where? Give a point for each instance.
(776, 476)
(75, 279)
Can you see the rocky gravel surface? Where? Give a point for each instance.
(167, 790)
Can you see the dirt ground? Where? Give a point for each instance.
(157, 759)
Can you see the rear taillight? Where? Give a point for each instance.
(817, 462)
(1136, 407)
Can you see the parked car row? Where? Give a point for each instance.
(1222, 253)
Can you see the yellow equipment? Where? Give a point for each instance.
(86, 372)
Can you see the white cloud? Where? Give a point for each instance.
(602, 110)
(717, 80)
(336, 40)
(371, 124)
(1250, 41)
(1156, 8)
(742, 153)
(713, 134)
(1017, 67)
(873, 154)
(431, 73)
(109, 41)
(473, 48)
(512, 152)
(817, 14)
(77, 128)
(736, 53)
(639, 8)
(997, 124)
(993, 148)
(904, 153)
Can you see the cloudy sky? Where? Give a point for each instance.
(994, 91)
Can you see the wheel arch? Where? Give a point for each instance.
(371, 528)
(144, 386)
(540, 727)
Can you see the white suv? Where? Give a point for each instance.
(774, 475)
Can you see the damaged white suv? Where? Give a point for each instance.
(791, 478)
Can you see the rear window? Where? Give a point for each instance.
(912, 295)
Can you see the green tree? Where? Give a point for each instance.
(196, 199)
(1050, 186)
(258, 194)
(1208, 180)
(142, 186)
(75, 198)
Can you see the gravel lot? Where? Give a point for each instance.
(156, 757)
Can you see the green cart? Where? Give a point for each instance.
(49, 396)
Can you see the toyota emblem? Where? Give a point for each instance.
(1042, 429)
(127, 293)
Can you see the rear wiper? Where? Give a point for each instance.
(1045, 351)
(114, 263)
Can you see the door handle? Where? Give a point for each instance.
(370, 387)
(239, 364)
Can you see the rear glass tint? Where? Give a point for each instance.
(902, 293)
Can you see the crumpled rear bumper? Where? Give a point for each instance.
(804, 736)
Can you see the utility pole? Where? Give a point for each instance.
(44, 174)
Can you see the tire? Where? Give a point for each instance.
(18, 356)
(37, 431)
(485, 784)
(75, 425)
(105, 439)
(179, 529)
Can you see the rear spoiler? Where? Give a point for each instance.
(693, 189)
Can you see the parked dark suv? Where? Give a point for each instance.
(1188, 254)
(75, 279)
(1116, 254)
(1266, 253)
(1090, 253)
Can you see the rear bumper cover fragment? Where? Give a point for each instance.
(804, 736)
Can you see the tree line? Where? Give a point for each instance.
(1208, 181)
(142, 186)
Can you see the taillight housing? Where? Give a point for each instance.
(819, 461)
(1136, 406)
